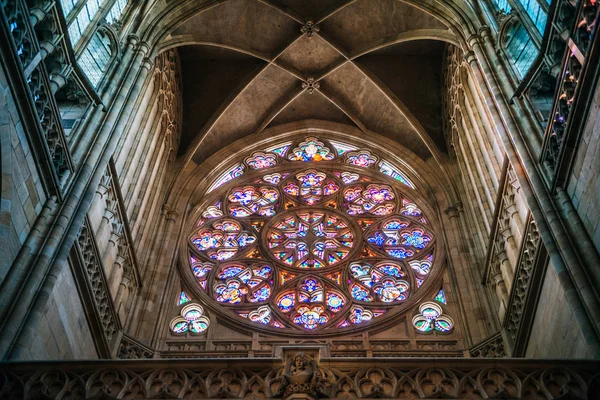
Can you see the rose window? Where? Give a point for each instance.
(314, 238)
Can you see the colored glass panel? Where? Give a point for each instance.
(183, 298)
(311, 150)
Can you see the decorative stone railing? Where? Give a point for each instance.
(364, 347)
(493, 347)
(90, 278)
(131, 349)
(531, 266)
(346, 378)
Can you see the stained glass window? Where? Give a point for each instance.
(431, 318)
(363, 159)
(307, 239)
(392, 171)
(261, 160)
(441, 296)
(520, 48)
(183, 298)
(280, 149)
(313, 247)
(250, 200)
(310, 187)
(95, 58)
(239, 283)
(311, 150)
(400, 237)
(372, 199)
(233, 173)
(191, 320)
(342, 148)
(116, 11)
(223, 240)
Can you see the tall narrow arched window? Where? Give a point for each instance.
(97, 56)
(84, 17)
(537, 14)
(116, 11)
(520, 49)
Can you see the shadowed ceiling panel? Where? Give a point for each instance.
(311, 106)
(310, 9)
(366, 22)
(372, 107)
(248, 110)
(210, 76)
(413, 72)
(245, 24)
(310, 55)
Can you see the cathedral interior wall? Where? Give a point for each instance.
(63, 332)
(584, 182)
(555, 332)
(22, 193)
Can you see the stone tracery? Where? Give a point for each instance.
(315, 245)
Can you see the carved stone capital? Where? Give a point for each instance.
(470, 58)
(147, 63)
(474, 39)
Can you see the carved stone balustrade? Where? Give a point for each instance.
(342, 378)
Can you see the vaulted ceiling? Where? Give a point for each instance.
(373, 64)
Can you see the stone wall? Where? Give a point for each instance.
(584, 183)
(22, 192)
(63, 332)
(555, 332)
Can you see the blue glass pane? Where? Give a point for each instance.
(536, 13)
(521, 49)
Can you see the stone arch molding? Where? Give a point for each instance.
(213, 205)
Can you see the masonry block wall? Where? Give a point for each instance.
(22, 193)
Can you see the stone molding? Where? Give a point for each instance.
(345, 378)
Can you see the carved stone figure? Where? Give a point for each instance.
(301, 376)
